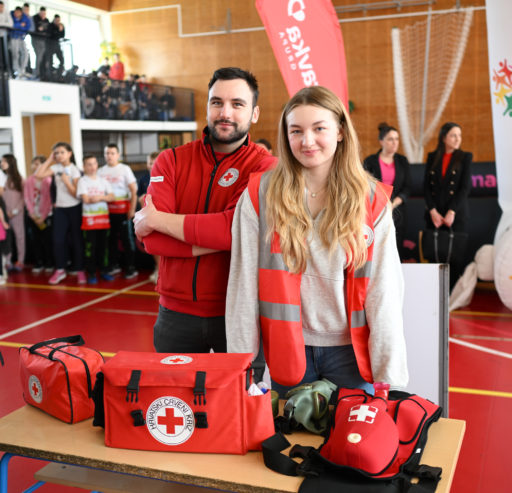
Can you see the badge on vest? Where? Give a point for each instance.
(170, 420)
(229, 177)
(368, 235)
(156, 179)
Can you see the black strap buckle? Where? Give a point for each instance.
(138, 417)
(201, 420)
(200, 388)
(132, 390)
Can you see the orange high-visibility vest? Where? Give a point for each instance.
(279, 293)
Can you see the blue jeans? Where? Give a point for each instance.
(335, 363)
(176, 332)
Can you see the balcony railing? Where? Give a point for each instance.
(101, 97)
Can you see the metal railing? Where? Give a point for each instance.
(100, 97)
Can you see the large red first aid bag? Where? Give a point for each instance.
(182, 403)
(58, 375)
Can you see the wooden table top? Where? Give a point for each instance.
(32, 433)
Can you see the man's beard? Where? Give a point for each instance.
(236, 135)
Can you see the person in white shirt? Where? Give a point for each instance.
(121, 211)
(67, 215)
(95, 193)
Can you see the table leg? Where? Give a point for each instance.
(34, 487)
(4, 471)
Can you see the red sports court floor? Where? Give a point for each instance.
(120, 315)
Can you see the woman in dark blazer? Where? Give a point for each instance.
(447, 185)
(393, 169)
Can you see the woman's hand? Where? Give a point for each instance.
(437, 219)
(449, 218)
(145, 219)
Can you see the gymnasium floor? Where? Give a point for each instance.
(120, 315)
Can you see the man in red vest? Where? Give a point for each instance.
(189, 209)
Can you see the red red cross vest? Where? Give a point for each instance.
(279, 293)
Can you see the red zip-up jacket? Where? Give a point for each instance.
(204, 186)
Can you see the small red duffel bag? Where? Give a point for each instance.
(58, 376)
(181, 403)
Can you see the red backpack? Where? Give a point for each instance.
(372, 445)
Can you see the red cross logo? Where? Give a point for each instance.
(170, 421)
(176, 360)
(363, 413)
(35, 389)
(229, 177)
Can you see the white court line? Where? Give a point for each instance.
(70, 310)
(481, 348)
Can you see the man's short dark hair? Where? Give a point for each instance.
(42, 9)
(89, 156)
(112, 145)
(231, 73)
(18, 9)
(26, 5)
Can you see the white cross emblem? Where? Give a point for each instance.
(363, 413)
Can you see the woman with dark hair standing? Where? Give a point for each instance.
(13, 196)
(392, 168)
(67, 215)
(447, 185)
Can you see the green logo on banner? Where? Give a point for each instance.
(47, 98)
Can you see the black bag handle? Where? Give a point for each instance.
(71, 340)
(274, 458)
(451, 235)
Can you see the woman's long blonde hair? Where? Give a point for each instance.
(347, 189)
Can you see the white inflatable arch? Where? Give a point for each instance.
(503, 266)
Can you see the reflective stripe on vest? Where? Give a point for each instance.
(279, 294)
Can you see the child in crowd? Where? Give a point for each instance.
(67, 215)
(13, 196)
(4, 245)
(142, 188)
(95, 192)
(121, 209)
(38, 200)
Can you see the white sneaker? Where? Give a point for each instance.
(154, 277)
(3, 281)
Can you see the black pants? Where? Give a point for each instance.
(66, 231)
(42, 248)
(121, 230)
(96, 253)
(182, 333)
(399, 219)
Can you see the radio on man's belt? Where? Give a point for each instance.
(182, 403)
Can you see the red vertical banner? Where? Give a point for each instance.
(306, 39)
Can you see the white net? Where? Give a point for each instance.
(426, 60)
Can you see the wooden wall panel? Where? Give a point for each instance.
(49, 129)
(27, 145)
(98, 4)
(150, 44)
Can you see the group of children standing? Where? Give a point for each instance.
(89, 215)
